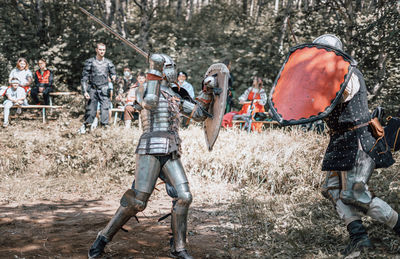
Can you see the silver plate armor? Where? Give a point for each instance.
(354, 182)
(160, 125)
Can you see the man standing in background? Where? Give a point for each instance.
(94, 83)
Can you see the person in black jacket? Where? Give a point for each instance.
(43, 83)
(350, 159)
(95, 89)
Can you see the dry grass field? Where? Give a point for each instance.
(255, 195)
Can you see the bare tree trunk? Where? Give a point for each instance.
(306, 5)
(276, 9)
(380, 76)
(284, 26)
(189, 10)
(179, 8)
(108, 6)
(144, 23)
(252, 3)
(283, 33)
(121, 17)
(244, 7)
(40, 31)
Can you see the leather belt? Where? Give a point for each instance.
(333, 132)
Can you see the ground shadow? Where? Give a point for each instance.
(66, 229)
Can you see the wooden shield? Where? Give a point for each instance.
(309, 84)
(217, 107)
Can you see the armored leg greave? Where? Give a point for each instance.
(131, 203)
(354, 182)
(331, 190)
(175, 174)
(179, 217)
(348, 208)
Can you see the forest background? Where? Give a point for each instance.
(255, 34)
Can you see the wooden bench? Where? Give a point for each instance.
(43, 107)
(54, 94)
(116, 110)
(242, 123)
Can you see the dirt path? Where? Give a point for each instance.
(66, 229)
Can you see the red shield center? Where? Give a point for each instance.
(308, 83)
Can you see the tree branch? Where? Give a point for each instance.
(139, 5)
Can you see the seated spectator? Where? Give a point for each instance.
(182, 76)
(253, 100)
(15, 96)
(23, 74)
(130, 113)
(43, 83)
(186, 91)
(124, 84)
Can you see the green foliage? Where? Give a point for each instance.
(257, 44)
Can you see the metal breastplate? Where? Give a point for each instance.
(160, 127)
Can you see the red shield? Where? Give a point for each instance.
(310, 83)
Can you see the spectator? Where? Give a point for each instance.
(253, 100)
(124, 84)
(43, 83)
(23, 74)
(186, 91)
(94, 82)
(231, 93)
(16, 95)
(182, 76)
(127, 80)
(130, 112)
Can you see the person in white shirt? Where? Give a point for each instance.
(16, 95)
(23, 74)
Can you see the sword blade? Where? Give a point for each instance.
(108, 28)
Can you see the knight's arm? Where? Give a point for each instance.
(154, 77)
(198, 110)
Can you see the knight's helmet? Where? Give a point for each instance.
(169, 69)
(210, 82)
(330, 40)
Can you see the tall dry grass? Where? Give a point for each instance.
(278, 160)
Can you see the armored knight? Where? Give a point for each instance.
(351, 157)
(158, 152)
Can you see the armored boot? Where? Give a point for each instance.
(179, 227)
(97, 248)
(358, 238)
(131, 203)
(181, 255)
